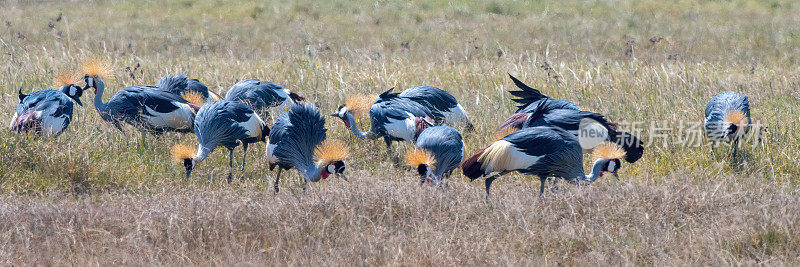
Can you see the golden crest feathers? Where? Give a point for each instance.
(359, 104)
(503, 133)
(182, 152)
(608, 150)
(66, 78)
(330, 151)
(416, 156)
(194, 97)
(736, 117)
(99, 67)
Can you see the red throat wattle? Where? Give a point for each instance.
(325, 175)
(346, 124)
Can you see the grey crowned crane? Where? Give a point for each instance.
(48, 112)
(443, 106)
(222, 123)
(583, 123)
(148, 108)
(544, 152)
(438, 151)
(727, 118)
(537, 109)
(261, 95)
(298, 140)
(394, 118)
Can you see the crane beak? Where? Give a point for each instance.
(615, 175)
(343, 177)
(78, 100)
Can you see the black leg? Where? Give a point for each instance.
(541, 187)
(230, 165)
(305, 182)
(489, 185)
(244, 155)
(277, 179)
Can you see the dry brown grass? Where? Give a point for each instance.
(374, 221)
(97, 196)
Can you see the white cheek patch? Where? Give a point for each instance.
(343, 111)
(72, 90)
(611, 166)
(90, 82)
(331, 169)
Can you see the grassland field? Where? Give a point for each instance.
(95, 195)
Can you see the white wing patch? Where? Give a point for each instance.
(181, 118)
(504, 156)
(271, 158)
(253, 125)
(403, 129)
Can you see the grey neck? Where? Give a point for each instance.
(354, 128)
(101, 107)
(597, 169)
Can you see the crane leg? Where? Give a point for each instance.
(277, 179)
(244, 156)
(230, 166)
(489, 184)
(541, 187)
(305, 183)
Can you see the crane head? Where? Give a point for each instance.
(737, 122)
(423, 160)
(608, 154)
(342, 112)
(94, 69)
(184, 154)
(330, 155)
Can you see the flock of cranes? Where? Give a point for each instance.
(542, 138)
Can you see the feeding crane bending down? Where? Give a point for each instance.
(544, 152)
(727, 118)
(261, 95)
(48, 112)
(222, 123)
(443, 106)
(298, 140)
(575, 121)
(394, 118)
(438, 151)
(146, 107)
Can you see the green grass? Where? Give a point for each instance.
(647, 61)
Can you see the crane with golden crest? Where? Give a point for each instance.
(298, 140)
(727, 119)
(48, 112)
(544, 152)
(148, 108)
